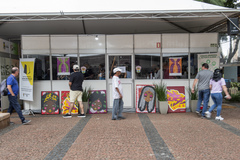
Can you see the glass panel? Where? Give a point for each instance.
(123, 62)
(62, 65)
(147, 66)
(229, 53)
(42, 67)
(5, 67)
(194, 65)
(93, 66)
(175, 66)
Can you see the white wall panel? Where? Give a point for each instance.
(119, 43)
(38, 86)
(35, 42)
(64, 44)
(127, 96)
(88, 44)
(175, 43)
(204, 42)
(147, 43)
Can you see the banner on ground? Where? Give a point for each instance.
(176, 99)
(26, 76)
(211, 59)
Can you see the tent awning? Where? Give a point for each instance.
(111, 17)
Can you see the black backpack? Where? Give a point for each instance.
(3, 87)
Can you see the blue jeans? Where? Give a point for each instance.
(13, 104)
(203, 95)
(117, 108)
(217, 99)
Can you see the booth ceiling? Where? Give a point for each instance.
(111, 17)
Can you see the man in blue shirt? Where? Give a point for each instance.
(13, 88)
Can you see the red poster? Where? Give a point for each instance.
(176, 99)
(65, 103)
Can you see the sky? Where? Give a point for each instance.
(31, 6)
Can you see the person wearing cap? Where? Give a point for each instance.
(117, 95)
(75, 84)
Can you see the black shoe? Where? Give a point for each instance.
(121, 117)
(81, 115)
(26, 121)
(203, 117)
(67, 115)
(115, 119)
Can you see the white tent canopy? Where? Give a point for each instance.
(110, 17)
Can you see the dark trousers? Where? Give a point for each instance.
(13, 104)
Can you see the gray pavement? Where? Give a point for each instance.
(139, 136)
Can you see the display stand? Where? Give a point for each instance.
(30, 110)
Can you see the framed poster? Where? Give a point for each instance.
(211, 59)
(176, 99)
(98, 102)
(65, 103)
(175, 66)
(50, 102)
(145, 99)
(63, 66)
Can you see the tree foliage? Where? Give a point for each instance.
(224, 3)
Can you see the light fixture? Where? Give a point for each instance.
(96, 38)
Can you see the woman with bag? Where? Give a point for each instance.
(217, 84)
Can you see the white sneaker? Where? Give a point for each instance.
(219, 118)
(208, 114)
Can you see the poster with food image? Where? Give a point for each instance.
(50, 102)
(98, 102)
(176, 99)
(65, 103)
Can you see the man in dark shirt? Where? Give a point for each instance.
(13, 88)
(75, 84)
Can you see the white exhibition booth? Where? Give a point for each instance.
(128, 47)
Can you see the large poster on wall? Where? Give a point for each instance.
(98, 102)
(26, 73)
(176, 99)
(63, 66)
(65, 103)
(145, 99)
(211, 59)
(175, 66)
(50, 102)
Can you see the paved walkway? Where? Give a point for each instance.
(182, 136)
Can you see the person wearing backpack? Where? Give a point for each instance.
(217, 85)
(12, 86)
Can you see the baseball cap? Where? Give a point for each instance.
(75, 67)
(116, 70)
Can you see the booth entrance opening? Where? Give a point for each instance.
(125, 62)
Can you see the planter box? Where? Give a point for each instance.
(85, 106)
(193, 105)
(163, 107)
(4, 120)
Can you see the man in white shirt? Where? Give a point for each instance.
(117, 95)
